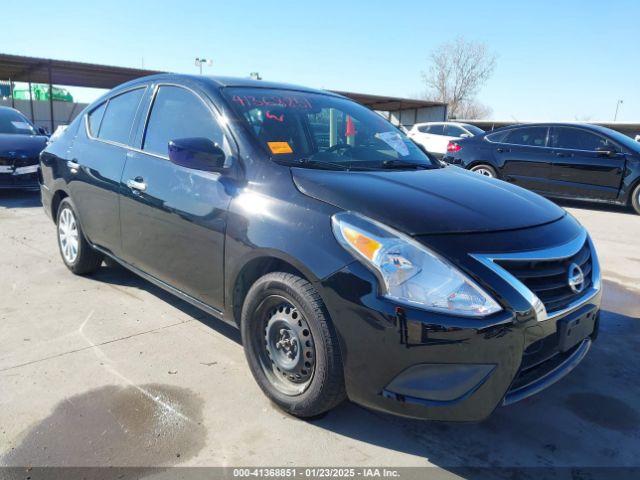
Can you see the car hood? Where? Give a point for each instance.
(423, 202)
(21, 145)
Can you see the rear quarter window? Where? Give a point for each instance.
(95, 118)
(497, 137)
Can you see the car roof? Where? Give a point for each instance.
(218, 82)
(589, 126)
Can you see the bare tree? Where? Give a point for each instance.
(457, 72)
(471, 109)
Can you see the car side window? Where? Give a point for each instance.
(578, 139)
(95, 118)
(437, 129)
(529, 136)
(453, 131)
(118, 117)
(424, 128)
(178, 113)
(498, 137)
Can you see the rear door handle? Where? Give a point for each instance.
(503, 150)
(137, 184)
(73, 165)
(564, 154)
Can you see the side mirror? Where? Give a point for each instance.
(197, 153)
(606, 151)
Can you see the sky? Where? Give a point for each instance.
(556, 59)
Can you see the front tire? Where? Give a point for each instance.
(77, 254)
(635, 199)
(291, 346)
(485, 170)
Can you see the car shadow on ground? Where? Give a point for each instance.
(589, 419)
(113, 273)
(20, 198)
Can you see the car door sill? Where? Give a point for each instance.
(169, 288)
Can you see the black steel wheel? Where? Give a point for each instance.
(291, 346)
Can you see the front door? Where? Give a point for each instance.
(174, 218)
(582, 165)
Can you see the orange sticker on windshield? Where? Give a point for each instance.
(279, 147)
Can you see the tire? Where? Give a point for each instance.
(76, 253)
(291, 346)
(635, 199)
(484, 169)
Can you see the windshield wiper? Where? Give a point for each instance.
(402, 164)
(308, 162)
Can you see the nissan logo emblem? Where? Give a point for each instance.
(575, 278)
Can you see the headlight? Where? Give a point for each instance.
(409, 272)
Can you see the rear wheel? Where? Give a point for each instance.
(77, 254)
(484, 169)
(635, 199)
(291, 346)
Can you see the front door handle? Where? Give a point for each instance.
(564, 154)
(503, 150)
(137, 184)
(73, 165)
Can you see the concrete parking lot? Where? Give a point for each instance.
(110, 370)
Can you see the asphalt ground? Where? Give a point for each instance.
(111, 370)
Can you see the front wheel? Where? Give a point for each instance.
(486, 170)
(635, 199)
(77, 254)
(291, 346)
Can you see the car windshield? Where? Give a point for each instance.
(473, 129)
(13, 122)
(323, 131)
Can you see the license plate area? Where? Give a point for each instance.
(575, 327)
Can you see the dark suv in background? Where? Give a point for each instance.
(352, 263)
(577, 161)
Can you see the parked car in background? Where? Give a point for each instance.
(435, 136)
(637, 138)
(20, 145)
(353, 264)
(57, 133)
(565, 160)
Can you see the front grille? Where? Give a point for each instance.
(548, 279)
(18, 161)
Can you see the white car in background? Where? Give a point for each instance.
(435, 136)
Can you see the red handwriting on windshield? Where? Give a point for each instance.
(272, 116)
(282, 101)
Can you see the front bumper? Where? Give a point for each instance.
(19, 177)
(421, 364)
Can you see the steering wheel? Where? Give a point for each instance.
(339, 146)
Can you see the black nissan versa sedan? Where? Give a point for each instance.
(565, 160)
(351, 262)
(20, 146)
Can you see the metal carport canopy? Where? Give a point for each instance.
(74, 74)
(78, 74)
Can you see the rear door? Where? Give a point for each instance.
(579, 169)
(96, 163)
(174, 218)
(523, 156)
